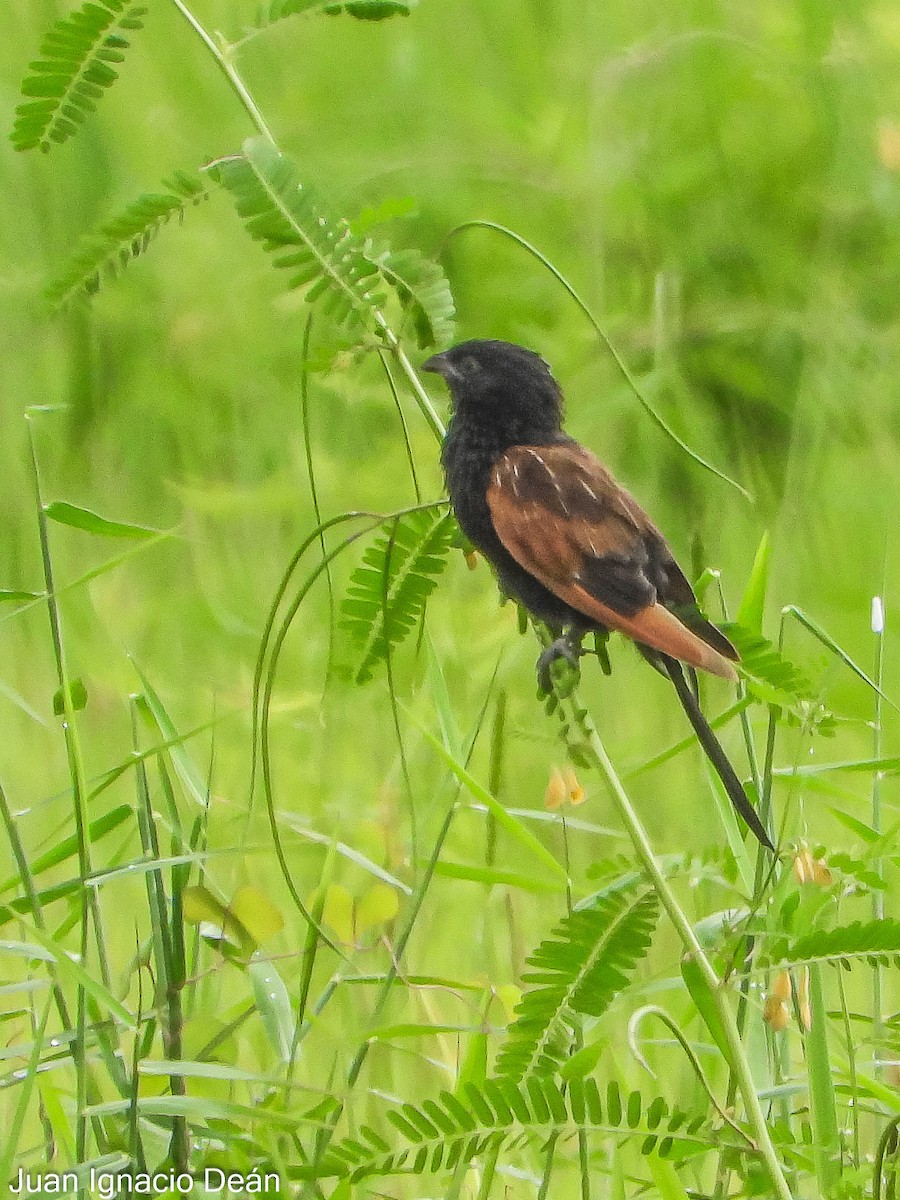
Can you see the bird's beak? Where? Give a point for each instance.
(440, 365)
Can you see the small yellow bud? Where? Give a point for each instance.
(776, 1014)
(811, 870)
(556, 793)
(804, 867)
(821, 873)
(573, 787)
(471, 557)
(781, 986)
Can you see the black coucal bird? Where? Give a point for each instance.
(566, 541)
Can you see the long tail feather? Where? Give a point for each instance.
(715, 753)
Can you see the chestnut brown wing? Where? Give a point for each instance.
(563, 517)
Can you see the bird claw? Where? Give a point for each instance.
(563, 648)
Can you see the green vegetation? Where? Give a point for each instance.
(279, 888)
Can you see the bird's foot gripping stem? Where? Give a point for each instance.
(568, 648)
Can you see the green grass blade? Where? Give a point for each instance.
(91, 522)
(820, 1074)
(505, 820)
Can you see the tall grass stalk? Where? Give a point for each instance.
(88, 903)
(878, 624)
(644, 850)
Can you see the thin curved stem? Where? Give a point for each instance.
(656, 417)
(225, 65)
(223, 60)
(419, 394)
(653, 1010)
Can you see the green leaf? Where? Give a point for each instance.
(696, 984)
(199, 905)
(274, 1006)
(423, 291)
(870, 940)
(752, 606)
(363, 10)
(286, 215)
(68, 847)
(83, 518)
(506, 819)
(319, 250)
(379, 214)
(454, 1127)
(585, 1060)
(196, 1109)
(256, 913)
(665, 1178)
(869, 766)
(106, 252)
(767, 673)
(370, 10)
(16, 1117)
(580, 969)
(492, 876)
(70, 970)
(863, 831)
(346, 275)
(77, 698)
(388, 592)
(8, 596)
(79, 57)
(184, 765)
(823, 1110)
(828, 641)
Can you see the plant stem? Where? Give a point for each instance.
(421, 396)
(225, 65)
(877, 749)
(223, 60)
(617, 358)
(644, 850)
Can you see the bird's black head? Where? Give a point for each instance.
(501, 385)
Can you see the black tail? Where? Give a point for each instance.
(715, 753)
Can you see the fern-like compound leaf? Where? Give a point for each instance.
(320, 252)
(106, 252)
(343, 273)
(363, 10)
(769, 676)
(580, 968)
(503, 1115)
(78, 62)
(388, 592)
(868, 941)
(423, 291)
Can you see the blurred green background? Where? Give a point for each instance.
(720, 182)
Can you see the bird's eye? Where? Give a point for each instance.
(470, 366)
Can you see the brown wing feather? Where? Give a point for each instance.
(562, 517)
